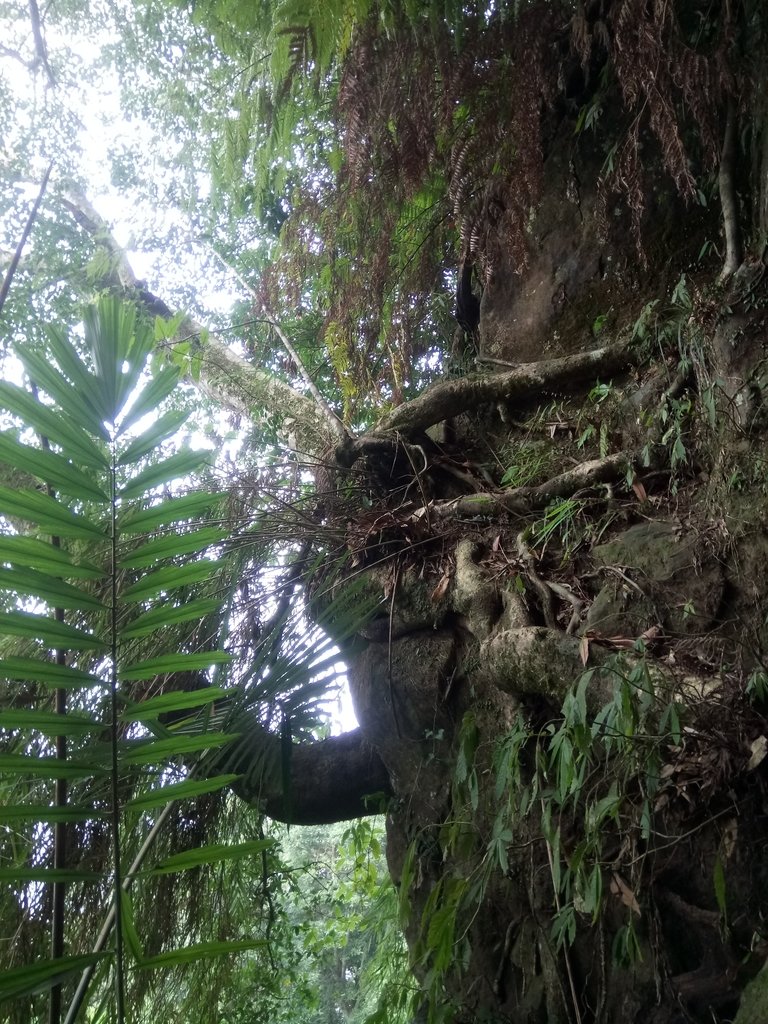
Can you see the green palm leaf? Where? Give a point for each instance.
(156, 391)
(165, 616)
(190, 506)
(159, 751)
(46, 814)
(169, 577)
(173, 663)
(52, 468)
(178, 701)
(201, 951)
(48, 673)
(37, 554)
(85, 384)
(50, 631)
(212, 854)
(42, 976)
(172, 545)
(48, 875)
(48, 588)
(180, 791)
(55, 425)
(48, 722)
(119, 346)
(77, 401)
(150, 439)
(48, 767)
(176, 467)
(47, 513)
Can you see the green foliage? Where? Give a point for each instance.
(94, 471)
(598, 768)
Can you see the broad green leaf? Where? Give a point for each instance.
(180, 791)
(180, 701)
(73, 368)
(154, 751)
(48, 767)
(48, 722)
(173, 663)
(190, 506)
(167, 616)
(43, 975)
(50, 515)
(176, 467)
(152, 395)
(130, 934)
(47, 875)
(168, 578)
(47, 588)
(76, 401)
(50, 631)
(46, 672)
(52, 468)
(201, 951)
(54, 425)
(213, 854)
(149, 440)
(173, 544)
(42, 812)
(42, 555)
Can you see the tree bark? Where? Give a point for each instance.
(335, 779)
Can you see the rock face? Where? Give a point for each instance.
(471, 694)
(660, 574)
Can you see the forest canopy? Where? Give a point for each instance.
(411, 347)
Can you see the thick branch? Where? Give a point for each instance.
(329, 780)
(449, 398)
(225, 376)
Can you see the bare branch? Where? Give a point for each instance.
(24, 236)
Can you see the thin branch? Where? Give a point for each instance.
(24, 236)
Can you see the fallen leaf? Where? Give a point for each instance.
(584, 650)
(620, 888)
(439, 592)
(759, 748)
(729, 837)
(639, 490)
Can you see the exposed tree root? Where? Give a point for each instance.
(449, 398)
(522, 500)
